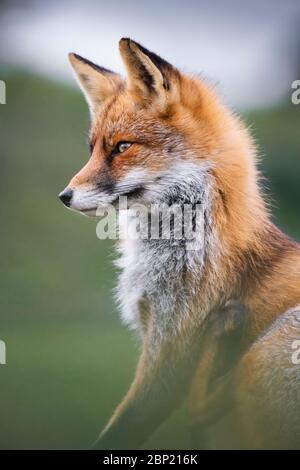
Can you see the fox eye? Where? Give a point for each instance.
(123, 146)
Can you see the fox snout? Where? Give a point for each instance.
(87, 198)
(66, 196)
(84, 199)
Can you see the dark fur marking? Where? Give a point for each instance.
(92, 65)
(107, 186)
(255, 264)
(136, 192)
(224, 200)
(228, 324)
(162, 65)
(91, 146)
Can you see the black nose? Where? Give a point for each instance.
(65, 196)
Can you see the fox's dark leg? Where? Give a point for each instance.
(164, 376)
(267, 383)
(161, 383)
(211, 392)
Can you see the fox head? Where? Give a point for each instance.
(157, 134)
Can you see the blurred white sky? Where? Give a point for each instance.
(247, 48)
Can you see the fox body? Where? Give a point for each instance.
(164, 137)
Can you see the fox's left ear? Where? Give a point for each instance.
(150, 77)
(97, 83)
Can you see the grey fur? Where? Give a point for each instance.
(154, 270)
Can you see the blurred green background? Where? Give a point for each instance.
(69, 359)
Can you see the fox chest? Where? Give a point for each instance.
(150, 282)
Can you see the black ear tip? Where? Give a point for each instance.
(91, 64)
(79, 57)
(125, 42)
(130, 47)
(73, 55)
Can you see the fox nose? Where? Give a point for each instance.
(65, 196)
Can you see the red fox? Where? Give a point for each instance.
(217, 323)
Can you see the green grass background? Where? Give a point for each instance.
(69, 359)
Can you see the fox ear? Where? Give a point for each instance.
(97, 83)
(150, 77)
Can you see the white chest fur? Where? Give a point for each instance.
(156, 269)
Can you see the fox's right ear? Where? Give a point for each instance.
(150, 78)
(97, 83)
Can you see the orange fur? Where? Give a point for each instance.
(258, 265)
